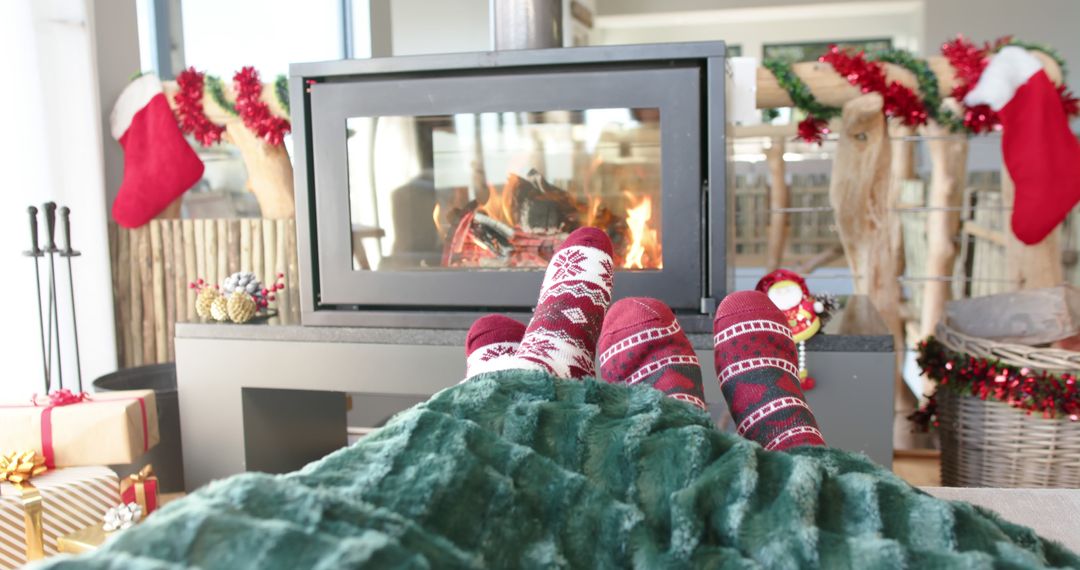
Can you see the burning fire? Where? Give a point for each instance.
(644, 244)
(629, 218)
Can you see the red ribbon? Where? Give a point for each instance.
(65, 397)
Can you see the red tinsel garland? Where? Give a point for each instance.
(256, 114)
(1031, 390)
(869, 77)
(189, 108)
(969, 61)
(812, 129)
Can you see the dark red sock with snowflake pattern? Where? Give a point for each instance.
(756, 367)
(642, 343)
(561, 337)
(491, 344)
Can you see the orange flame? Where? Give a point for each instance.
(644, 246)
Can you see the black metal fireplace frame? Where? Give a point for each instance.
(694, 224)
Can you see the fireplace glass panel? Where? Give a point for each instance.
(501, 190)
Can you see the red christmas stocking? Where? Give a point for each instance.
(1041, 153)
(159, 165)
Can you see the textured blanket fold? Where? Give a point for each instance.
(517, 469)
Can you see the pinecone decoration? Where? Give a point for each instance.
(219, 308)
(242, 281)
(204, 300)
(241, 307)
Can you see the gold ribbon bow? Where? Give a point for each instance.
(138, 480)
(18, 468)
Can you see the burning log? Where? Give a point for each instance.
(521, 224)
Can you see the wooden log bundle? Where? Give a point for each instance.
(155, 263)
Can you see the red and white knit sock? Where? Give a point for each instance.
(756, 367)
(561, 337)
(641, 342)
(491, 344)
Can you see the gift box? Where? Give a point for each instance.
(141, 488)
(72, 430)
(83, 540)
(35, 513)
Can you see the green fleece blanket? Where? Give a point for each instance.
(516, 469)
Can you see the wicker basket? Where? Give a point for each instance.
(985, 443)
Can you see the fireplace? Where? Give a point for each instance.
(431, 189)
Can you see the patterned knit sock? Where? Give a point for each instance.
(561, 338)
(491, 344)
(641, 342)
(755, 363)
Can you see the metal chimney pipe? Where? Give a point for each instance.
(526, 24)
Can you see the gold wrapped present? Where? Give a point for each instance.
(75, 429)
(36, 510)
(83, 540)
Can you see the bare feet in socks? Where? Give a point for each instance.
(641, 342)
(756, 367)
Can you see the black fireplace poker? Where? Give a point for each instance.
(67, 252)
(49, 319)
(35, 252)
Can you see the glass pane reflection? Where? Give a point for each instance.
(500, 190)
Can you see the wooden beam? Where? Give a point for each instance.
(830, 88)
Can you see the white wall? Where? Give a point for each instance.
(903, 28)
(51, 151)
(1055, 23)
(423, 26)
(1052, 22)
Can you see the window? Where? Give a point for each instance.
(221, 37)
(809, 51)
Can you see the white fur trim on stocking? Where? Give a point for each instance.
(1007, 71)
(135, 96)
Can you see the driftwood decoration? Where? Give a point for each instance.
(862, 194)
(948, 171)
(779, 201)
(1030, 266)
(270, 174)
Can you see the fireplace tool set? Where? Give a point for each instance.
(49, 312)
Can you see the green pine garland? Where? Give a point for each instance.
(1032, 46)
(798, 90)
(217, 91)
(281, 91)
(928, 85)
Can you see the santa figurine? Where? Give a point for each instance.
(787, 290)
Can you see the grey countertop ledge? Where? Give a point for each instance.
(857, 328)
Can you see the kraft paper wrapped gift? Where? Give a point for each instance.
(72, 430)
(70, 499)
